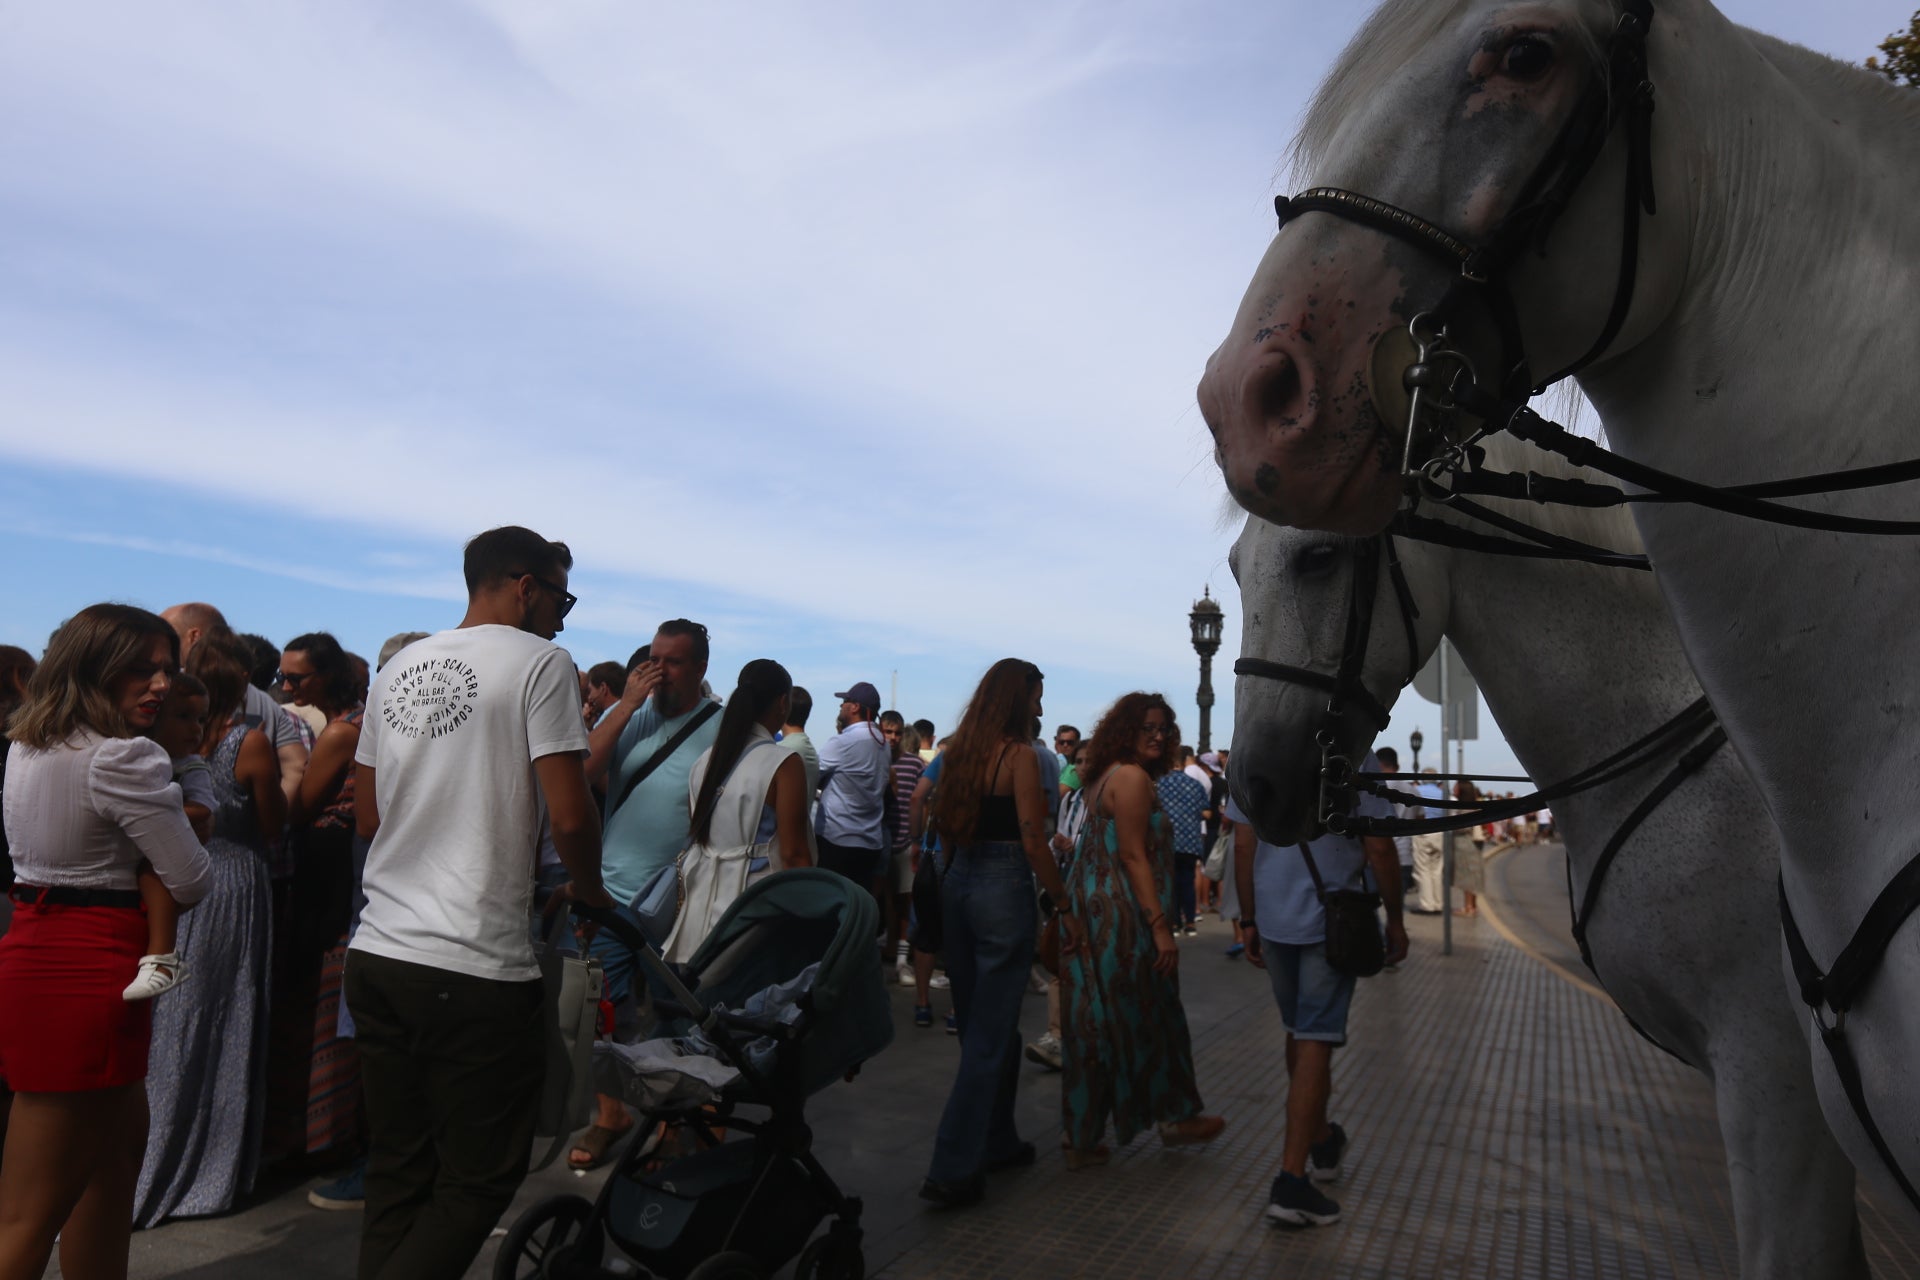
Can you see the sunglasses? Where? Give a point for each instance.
(567, 598)
(1156, 731)
(289, 679)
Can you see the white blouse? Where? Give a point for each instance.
(83, 814)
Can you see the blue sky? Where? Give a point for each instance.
(866, 334)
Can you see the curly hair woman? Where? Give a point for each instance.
(990, 814)
(1127, 1052)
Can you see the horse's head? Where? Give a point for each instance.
(1297, 595)
(1456, 113)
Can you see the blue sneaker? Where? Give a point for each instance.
(1237, 950)
(953, 1024)
(922, 1015)
(348, 1191)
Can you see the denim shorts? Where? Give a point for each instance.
(1313, 998)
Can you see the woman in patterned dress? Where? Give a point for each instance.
(1127, 1051)
(206, 1083)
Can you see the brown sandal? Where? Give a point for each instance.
(597, 1141)
(1191, 1133)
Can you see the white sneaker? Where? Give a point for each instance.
(939, 982)
(903, 973)
(157, 974)
(1046, 1052)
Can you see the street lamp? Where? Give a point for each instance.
(1206, 622)
(1416, 742)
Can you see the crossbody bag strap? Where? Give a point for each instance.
(1313, 869)
(667, 748)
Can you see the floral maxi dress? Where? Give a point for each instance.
(1125, 1044)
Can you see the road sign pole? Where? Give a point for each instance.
(1446, 840)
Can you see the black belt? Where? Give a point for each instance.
(61, 896)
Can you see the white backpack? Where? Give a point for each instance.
(712, 875)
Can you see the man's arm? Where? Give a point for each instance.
(575, 822)
(1384, 862)
(605, 736)
(1245, 846)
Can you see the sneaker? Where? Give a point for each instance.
(1192, 931)
(1037, 983)
(903, 973)
(1323, 1158)
(939, 982)
(1296, 1202)
(953, 1024)
(348, 1191)
(922, 1015)
(1237, 950)
(1046, 1052)
(155, 975)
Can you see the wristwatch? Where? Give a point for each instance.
(1248, 922)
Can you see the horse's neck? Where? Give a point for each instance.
(1575, 661)
(1788, 352)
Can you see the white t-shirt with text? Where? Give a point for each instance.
(451, 731)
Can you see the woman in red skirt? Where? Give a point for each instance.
(85, 800)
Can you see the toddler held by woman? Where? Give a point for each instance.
(181, 729)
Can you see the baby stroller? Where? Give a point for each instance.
(784, 997)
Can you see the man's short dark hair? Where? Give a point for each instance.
(681, 627)
(892, 720)
(1066, 729)
(640, 655)
(1388, 757)
(610, 674)
(925, 729)
(799, 707)
(509, 552)
(266, 660)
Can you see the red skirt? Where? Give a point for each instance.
(63, 1026)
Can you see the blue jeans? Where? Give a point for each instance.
(988, 904)
(1186, 903)
(1313, 997)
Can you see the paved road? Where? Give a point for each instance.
(1505, 1123)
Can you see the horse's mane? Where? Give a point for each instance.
(1892, 120)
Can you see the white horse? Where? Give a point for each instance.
(1772, 332)
(1595, 650)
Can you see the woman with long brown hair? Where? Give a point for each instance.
(1127, 1051)
(989, 813)
(86, 799)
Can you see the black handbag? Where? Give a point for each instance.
(929, 928)
(1355, 945)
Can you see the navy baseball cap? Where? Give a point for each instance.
(862, 693)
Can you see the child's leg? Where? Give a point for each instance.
(163, 913)
(160, 969)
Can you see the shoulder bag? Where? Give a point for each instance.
(1354, 944)
(667, 748)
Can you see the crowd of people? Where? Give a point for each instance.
(275, 902)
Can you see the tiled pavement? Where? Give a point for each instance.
(1505, 1123)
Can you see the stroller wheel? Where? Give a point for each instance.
(557, 1239)
(731, 1265)
(834, 1256)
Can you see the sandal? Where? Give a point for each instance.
(597, 1141)
(1091, 1158)
(156, 974)
(1191, 1133)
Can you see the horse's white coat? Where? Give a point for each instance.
(1577, 661)
(1774, 333)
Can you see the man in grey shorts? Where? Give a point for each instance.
(1284, 928)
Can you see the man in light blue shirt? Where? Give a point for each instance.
(856, 770)
(646, 824)
(1284, 927)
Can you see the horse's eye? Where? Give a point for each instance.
(1527, 58)
(1315, 559)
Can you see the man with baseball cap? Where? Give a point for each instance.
(855, 771)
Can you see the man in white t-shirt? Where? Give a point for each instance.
(472, 742)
